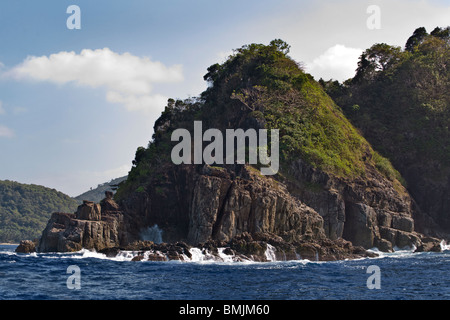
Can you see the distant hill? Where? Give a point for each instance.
(25, 209)
(98, 193)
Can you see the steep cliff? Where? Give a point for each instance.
(399, 99)
(332, 196)
(331, 182)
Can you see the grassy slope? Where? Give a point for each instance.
(262, 82)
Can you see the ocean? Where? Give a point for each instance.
(86, 275)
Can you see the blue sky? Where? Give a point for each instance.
(75, 104)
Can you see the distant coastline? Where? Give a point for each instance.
(8, 244)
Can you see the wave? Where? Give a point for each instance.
(198, 255)
(444, 246)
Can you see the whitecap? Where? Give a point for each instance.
(444, 245)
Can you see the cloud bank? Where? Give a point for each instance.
(128, 79)
(338, 62)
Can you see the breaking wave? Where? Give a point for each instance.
(198, 255)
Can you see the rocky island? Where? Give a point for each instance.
(334, 197)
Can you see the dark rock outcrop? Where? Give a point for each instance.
(245, 214)
(260, 247)
(214, 205)
(221, 203)
(89, 211)
(88, 228)
(332, 199)
(26, 246)
(369, 212)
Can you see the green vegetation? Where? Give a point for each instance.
(269, 84)
(25, 209)
(260, 86)
(400, 98)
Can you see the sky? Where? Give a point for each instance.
(76, 103)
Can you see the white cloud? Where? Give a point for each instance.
(6, 132)
(137, 102)
(337, 62)
(128, 79)
(311, 27)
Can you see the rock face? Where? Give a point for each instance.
(261, 247)
(26, 246)
(90, 227)
(221, 205)
(244, 213)
(215, 205)
(325, 203)
(223, 208)
(370, 212)
(89, 211)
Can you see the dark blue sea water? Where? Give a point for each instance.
(402, 275)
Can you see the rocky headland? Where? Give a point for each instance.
(333, 198)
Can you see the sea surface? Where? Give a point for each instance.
(402, 275)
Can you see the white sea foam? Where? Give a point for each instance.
(444, 246)
(204, 256)
(270, 253)
(198, 255)
(225, 257)
(396, 253)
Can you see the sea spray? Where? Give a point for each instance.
(270, 253)
(153, 233)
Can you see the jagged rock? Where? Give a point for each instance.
(89, 211)
(384, 245)
(87, 228)
(361, 211)
(403, 223)
(138, 258)
(314, 208)
(243, 213)
(308, 251)
(66, 233)
(108, 205)
(360, 224)
(157, 257)
(223, 209)
(429, 244)
(26, 246)
(110, 252)
(208, 194)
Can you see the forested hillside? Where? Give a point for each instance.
(25, 209)
(399, 99)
